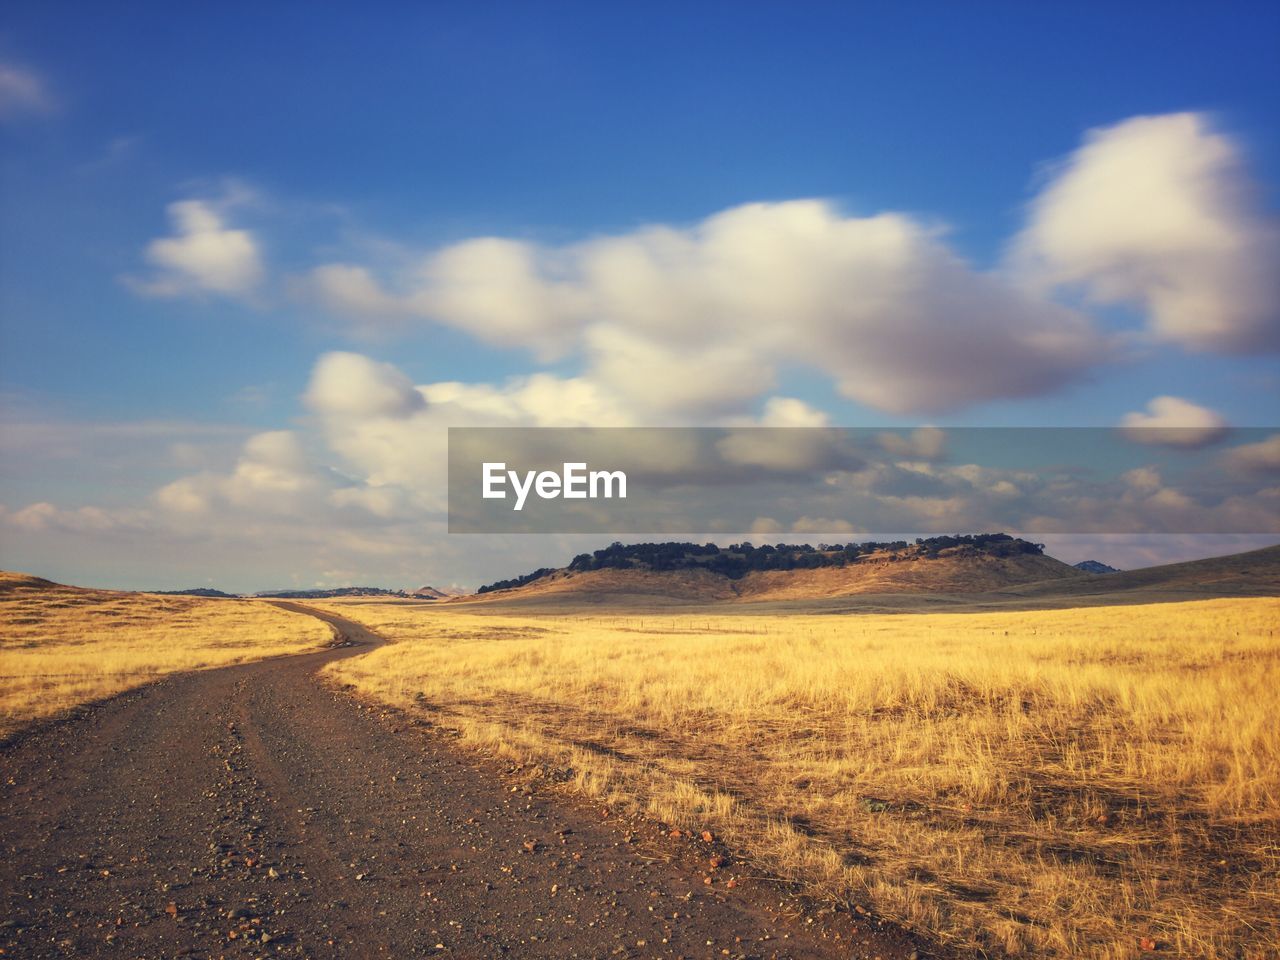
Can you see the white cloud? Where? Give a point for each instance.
(923, 443)
(788, 450)
(766, 527)
(790, 412)
(43, 516)
(1144, 480)
(22, 92)
(272, 476)
(1174, 422)
(388, 440)
(818, 525)
(695, 322)
(504, 291)
(352, 291)
(349, 384)
(1158, 211)
(1250, 458)
(204, 255)
(663, 381)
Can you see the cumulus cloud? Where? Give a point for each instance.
(689, 322)
(22, 92)
(817, 525)
(390, 433)
(272, 476)
(363, 481)
(697, 320)
(353, 291)
(1174, 422)
(1159, 212)
(662, 380)
(790, 412)
(1145, 502)
(1253, 458)
(923, 443)
(42, 516)
(502, 291)
(788, 450)
(350, 384)
(203, 256)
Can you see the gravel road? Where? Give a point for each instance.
(254, 811)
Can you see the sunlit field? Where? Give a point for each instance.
(1095, 782)
(63, 646)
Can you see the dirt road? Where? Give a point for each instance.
(253, 811)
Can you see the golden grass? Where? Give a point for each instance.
(63, 646)
(1054, 783)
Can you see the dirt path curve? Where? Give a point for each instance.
(253, 811)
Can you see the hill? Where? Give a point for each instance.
(428, 593)
(63, 645)
(194, 592)
(331, 593)
(682, 572)
(1095, 566)
(1252, 574)
(14, 582)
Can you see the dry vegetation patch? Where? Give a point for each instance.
(62, 646)
(1087, 782)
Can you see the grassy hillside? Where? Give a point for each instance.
(1256, 573)
(1065, 783)
(945, 584)
(679, 572)
(61, 646)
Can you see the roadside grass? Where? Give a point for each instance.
(1092, 782)
(63, 646)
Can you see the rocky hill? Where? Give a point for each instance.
(704, 572)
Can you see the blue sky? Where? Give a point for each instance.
(368, 140)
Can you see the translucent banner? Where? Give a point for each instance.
(772, 481)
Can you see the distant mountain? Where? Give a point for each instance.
(330, 593)
(1095, 566)
(429, 593)
(193, 592)
(422, 593)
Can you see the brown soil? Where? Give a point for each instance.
(252, 811)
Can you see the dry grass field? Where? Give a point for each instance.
(1099, 782)
(62, 646)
